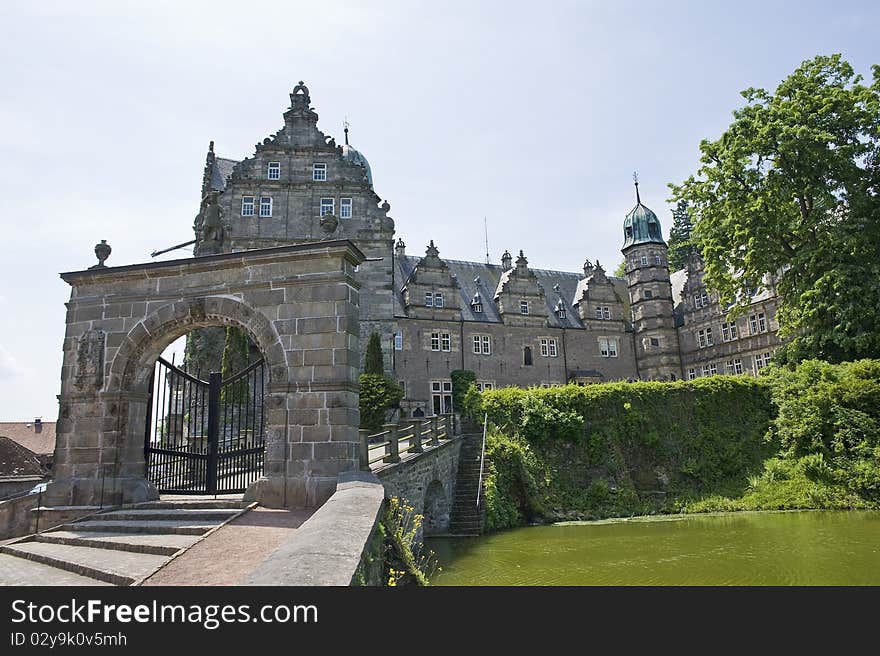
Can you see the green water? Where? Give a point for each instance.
(790, 548)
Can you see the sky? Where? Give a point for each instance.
(532, 115)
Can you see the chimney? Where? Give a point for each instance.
(38, 425)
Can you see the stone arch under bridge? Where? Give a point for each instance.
(299, 304)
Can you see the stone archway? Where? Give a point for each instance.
(436, 509)
(297, 303)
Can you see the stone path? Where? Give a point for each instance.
(118, 547)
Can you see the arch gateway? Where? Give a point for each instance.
(298, 304)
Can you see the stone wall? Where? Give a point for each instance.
(425, 476)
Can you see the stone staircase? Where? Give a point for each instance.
(116, 547)
(466, 518)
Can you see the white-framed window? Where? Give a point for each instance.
(319, 172)
(429, 299)
(704, 337)
(445, 342)
(478, 307)
(274, 171)
(438, 300)
(692, 373)
(757, 323)
(441, 396)
(482, 345)
(735, 366)
(523, 307)
(345, 208)
(247, 205)
(435, 341)
(761, 361)
(265, 206)
(328, 206)
(603, 312)
(548, 347)
(483, 385)
(644, 260)
(608, 347)
(398, 341)
(701, 300)
(657, 260)
(710, 369)
(728, 331)
(560, 312)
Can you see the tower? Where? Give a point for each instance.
(650, 293)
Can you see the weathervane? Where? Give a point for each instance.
(345, 125)
(636, 181)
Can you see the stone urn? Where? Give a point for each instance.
(102, 252)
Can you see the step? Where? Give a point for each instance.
(157, 544)
(115, 567)
(164, 514)
(190, 527)
(15, 571)
(196, 504)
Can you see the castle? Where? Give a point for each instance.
(507, 322)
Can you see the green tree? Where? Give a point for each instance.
(620, 271)
(373, 363)
(791, 190)
(235, 358)
(680, 236)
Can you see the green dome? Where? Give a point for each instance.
(641, 226)
(353, 156)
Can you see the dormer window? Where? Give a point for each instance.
(701, 300)
(274, 172)
(433, 300)
(477, 302)
(477, 307)
(524, 307)
(603, 312)
(560, 312)
(319, 172)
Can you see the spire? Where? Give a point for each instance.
(345, 125)
(636, 181)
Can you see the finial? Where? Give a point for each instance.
(345, 125)
(211, 147)
(636, 181)
(102, 252)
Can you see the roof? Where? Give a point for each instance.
(16, 460)
(23, 433)
(483, 279)
(221, 172)
(353, 156)
(641, 226)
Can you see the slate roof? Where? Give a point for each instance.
(221, 172)
(489, 276)
(16, 460)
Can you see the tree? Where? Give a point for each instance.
(373, 362)
(620, 271)
(235, 358)
(791, 190)
(680, 237)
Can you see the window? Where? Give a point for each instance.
(477, 307)
(728, 332)
(548, 347)
(441, 396)
(438, 300)
(523, 307)
(435, 341)
(761, 361)
(608, 347)
(655, 341)
(483, 385)
(757, 323)
(429, 299)
(445, 342)
(692, 373)
(603, 312)
(701, 300)
(735, 366)
(274, 171)
(710, 369)
(247, 205)
(649, 293)
(560, 312)
(482, 345)
(265, 206)
(345, 208)
(644, 260)
(319, 172)
(328, 206)
(398, 341)
(657, 260)
(527, 356)
(704, 337)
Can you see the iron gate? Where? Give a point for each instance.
(204, 437)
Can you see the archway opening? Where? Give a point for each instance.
(436, 509)
(205, 430)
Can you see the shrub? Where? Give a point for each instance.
(377, 395)
(373, 362)
(462, 381)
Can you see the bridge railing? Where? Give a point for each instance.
(411, 436)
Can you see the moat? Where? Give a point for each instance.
(774, 548)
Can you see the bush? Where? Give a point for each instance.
(462, 381)
(377, 395)
(373, 362)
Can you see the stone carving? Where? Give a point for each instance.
(90, 360)
(329, 223)
(211, 230)
(102, 252)
(300, 95)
